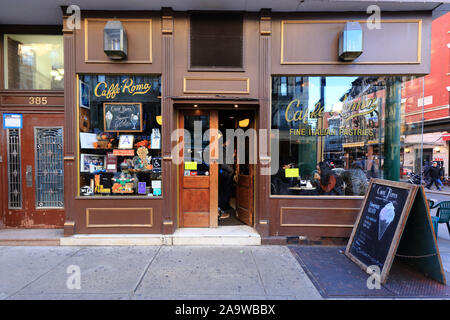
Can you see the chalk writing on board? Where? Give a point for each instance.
(122, 116)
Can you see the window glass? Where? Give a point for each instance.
(336, 133)
(34, 62)
(120, 135)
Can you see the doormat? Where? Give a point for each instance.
(335, 276)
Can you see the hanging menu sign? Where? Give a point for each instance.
(394, 218)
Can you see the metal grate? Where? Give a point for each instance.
(49, 167)
(14, 169)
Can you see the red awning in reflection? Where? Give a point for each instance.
(446, 136)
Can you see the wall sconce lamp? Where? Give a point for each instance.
(351, 41)
(437, 149)
(115, 40)
(244, 123)
(159, 120)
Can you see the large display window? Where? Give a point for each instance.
(336, 133)
(120, 135)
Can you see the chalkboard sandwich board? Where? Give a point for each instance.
(122, 117)
(394, 223)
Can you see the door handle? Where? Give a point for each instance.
(29, 176)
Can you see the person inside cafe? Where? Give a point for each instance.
(327, 183)
(280, 183)
(226, 173)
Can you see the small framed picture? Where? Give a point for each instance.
(92, 162)
(126, 141)
(84, 96)
(142, 188)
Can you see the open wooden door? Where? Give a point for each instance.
(198, 178)
(245, 182)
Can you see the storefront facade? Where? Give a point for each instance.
(281, 72)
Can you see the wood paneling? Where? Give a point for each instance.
(144, 43)
(314, 216)
(213, 81)
(198, 182)
(196, 219)
(139, 36)
(38, 99)
(216, 85)
(307, 44)
(116, 215)
(119, 217)
(401, 42)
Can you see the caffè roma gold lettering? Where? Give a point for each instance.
(102, 89)
(296, 112)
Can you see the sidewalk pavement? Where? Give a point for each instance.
(444, 190)
(153, 272)
(158, 273)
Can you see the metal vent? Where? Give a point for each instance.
(49, 167)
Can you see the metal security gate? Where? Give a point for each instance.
(14, 169)
(49, 156)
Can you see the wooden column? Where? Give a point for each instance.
(262, 210)
(169, 170)
(70, 118)
(3, 171)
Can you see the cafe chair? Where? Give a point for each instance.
(443, 213)
(432, 203)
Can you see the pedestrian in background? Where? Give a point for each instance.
(426, 172)
(435, 172)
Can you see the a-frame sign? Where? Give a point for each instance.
(394, 223)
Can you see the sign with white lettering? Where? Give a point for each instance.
(122, 116)
(12, 121)
(394, 221)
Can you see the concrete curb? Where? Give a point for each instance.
(437, 192)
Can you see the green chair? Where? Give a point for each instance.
(432, 203)
(443, 213)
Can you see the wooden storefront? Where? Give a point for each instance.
(273, 44)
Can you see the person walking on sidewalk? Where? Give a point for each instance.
(435, 174)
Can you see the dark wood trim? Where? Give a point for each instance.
(70, 132)
(2, 71)
(170, 191)
(262, 188)
(31, 29)
(3, 174)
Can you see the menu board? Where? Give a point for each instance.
(381, 220)
(122, 117)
